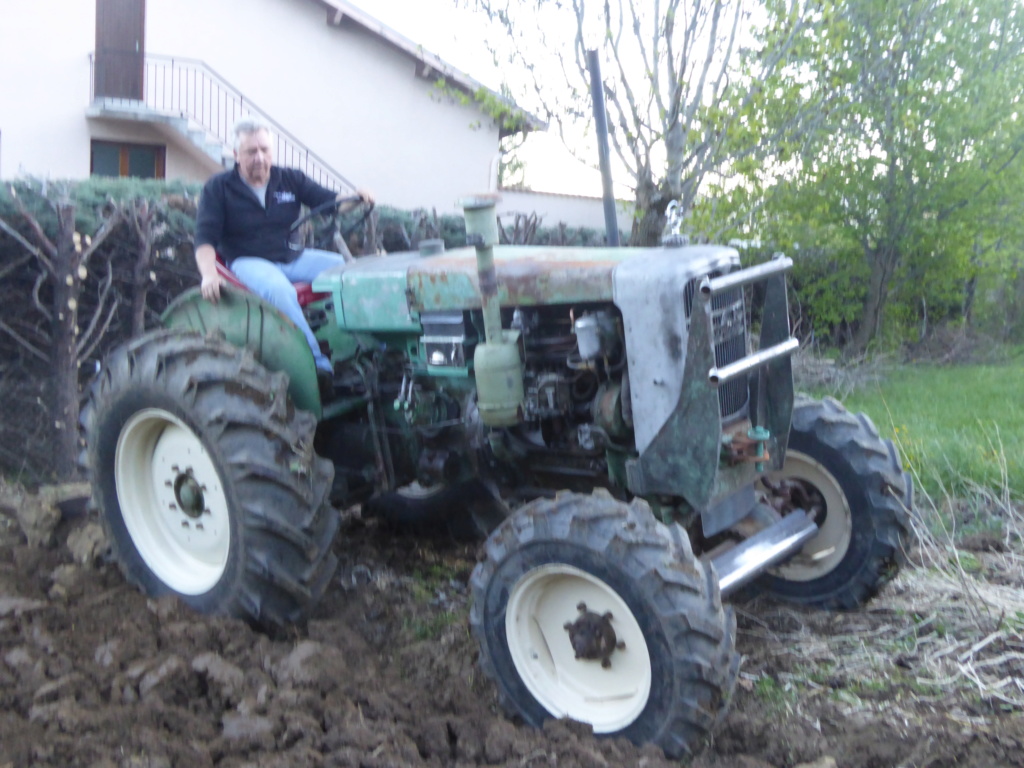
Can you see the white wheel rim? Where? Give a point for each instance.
(539, 606)
(820, 555)
(172, 501)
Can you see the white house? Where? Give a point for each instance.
(152, 88)
(573, 210)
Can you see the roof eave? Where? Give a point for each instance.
(430, 66)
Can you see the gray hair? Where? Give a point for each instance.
(248, 125)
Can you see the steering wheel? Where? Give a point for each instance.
(330, 234)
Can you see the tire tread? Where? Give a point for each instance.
(888, 491)
(279, 485)
(681, 590)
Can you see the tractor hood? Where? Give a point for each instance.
(388, 293)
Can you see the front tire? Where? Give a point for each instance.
(564, 581)
(206, 480)
(850, 481)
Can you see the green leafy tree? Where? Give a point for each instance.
(921, 156)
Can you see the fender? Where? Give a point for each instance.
(245, 320)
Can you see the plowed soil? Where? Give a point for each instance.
(92, 673)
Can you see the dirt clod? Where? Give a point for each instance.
(87, 543)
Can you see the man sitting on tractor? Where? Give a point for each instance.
(246, 215)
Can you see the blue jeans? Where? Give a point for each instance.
(272, 282)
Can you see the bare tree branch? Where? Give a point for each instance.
(669, 36)
(24, 343)
(33, 249)
(40, 279)
(682, 86)
(17, 264)
(49, 249)
(109, 225)
(86, 353)
(86, 339)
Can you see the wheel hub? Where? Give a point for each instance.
(804, 483)
(787, 495)
(188, 494)
(592, 636)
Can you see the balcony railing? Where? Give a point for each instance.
(188, 88)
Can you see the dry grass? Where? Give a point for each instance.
(978, 596)
(947, 633)
(817, 373)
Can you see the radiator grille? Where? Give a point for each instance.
(729, 330)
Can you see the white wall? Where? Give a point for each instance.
(574, 210)
(347, 95)
(44, 87)
(350, 97)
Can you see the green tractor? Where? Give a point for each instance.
(597, 413)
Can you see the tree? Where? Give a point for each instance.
(922, 155)
(66, 297)
(681, 81)
(54, 334)
(147, 221)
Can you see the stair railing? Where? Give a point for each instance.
(190, 89)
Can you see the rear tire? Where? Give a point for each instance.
(851, 479)
(206, 479)
(557, 560)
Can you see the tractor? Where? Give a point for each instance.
(604, 416)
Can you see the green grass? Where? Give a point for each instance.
(432, 627)
(957, 428)
(773, 692)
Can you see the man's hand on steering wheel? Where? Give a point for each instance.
(347, 202)
(341, 203)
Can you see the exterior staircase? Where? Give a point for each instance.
(200, 107)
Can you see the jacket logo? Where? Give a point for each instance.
(284, 197)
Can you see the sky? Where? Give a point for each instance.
(457, 36)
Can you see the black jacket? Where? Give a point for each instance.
(232, 220)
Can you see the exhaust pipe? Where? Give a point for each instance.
(761, 551)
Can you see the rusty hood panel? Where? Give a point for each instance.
(527, 276)
(388, 293)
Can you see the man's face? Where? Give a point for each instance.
(254, 157)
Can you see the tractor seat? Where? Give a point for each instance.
(304, 291)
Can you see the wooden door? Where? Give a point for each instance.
(120, 48)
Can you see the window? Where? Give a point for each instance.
(143, 161)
